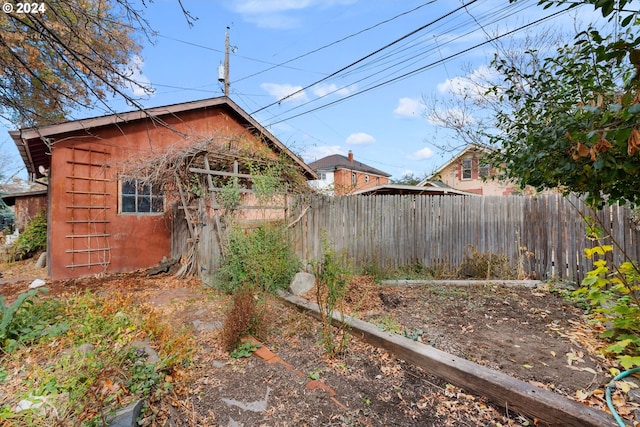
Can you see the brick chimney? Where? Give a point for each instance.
(350, 156)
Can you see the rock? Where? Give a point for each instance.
(42, 260)
(302, 282)
(200, 326)
(144, 345)
(86, 348)
(127, 417)
(38, 283)
(634, 395)
(31, 404)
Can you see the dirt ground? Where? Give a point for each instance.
(530, 334)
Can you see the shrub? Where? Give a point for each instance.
(485, 265)
(261, 257)
(331, 281)
(32, 240)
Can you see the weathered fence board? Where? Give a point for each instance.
(391, 231)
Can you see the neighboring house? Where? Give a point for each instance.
(339, 175)
(103, 221)
(466, 172)
(25, 200)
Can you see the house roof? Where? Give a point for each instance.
(411, 189)
(9, 192)
(34, 143)
(338, 161)
(466, 149)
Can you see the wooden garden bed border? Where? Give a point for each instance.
(543, 405)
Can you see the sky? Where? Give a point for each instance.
(329, 76)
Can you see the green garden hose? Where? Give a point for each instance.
(611, 386)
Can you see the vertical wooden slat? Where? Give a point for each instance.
(397, 230)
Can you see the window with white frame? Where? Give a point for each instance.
(366, 179)
(354, 179)
(484, 170)
(466, 168)
(139, 198)
(322, 176)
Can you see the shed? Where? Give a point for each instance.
(101, 220)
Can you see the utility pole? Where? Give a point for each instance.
(226, 64)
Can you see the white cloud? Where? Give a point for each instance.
(473, 85)
(408, 107)
(451, 117)
(143, 86)
(423, 154)
(331, 89)
(314, 153)
(277, 13)
(280, 91)
(359, 138)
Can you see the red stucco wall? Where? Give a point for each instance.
(85, 226)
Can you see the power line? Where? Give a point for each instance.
(338, 41)
(367, 56)
(420, 69)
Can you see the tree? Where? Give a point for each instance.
(577, 125)
(466, 105)
(67, 54)
(408, 179)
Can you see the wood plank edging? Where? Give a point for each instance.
(501, 389)
(407, 282)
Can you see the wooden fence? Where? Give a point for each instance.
(546, 232)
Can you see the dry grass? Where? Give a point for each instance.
(246, 316)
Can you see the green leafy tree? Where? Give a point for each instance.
(575, 124)
(409, 179)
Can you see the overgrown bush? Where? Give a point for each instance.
(486, 265)
(246, 316)
(260, 257)
(32, 239)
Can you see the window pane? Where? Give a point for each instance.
(466, 169)
(128, 203)
(144, 203)
(157, 204)
(128, 187)
(143, 189)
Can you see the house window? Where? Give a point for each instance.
(366, 179)
(377, 181)
(484, 171)
(353, 179)
(322, 176)
(466, 168)
(136, 197)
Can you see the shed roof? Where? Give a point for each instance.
(411, 189)
(34, 143)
